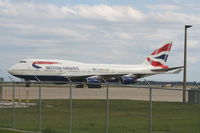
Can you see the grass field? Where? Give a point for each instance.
(126, 116)
(8, 131)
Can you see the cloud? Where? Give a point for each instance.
(193, 43)
(127, 36)
(50, 11)
(163, 7)
(104, 12)
(193, 60)
(175, 17)
(112, 13)
(95, 12)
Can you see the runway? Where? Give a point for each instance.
(85, 93)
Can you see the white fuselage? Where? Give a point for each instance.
(61, 68)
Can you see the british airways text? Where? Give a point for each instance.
(61, 68)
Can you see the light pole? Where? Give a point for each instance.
(185, 63)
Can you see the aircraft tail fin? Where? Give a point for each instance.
(159, 57)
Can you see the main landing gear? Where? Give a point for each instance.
(80, 86)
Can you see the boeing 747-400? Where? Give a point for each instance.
(63, 70)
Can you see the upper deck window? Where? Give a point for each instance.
(22, 62)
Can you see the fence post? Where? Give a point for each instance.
(19, 95)
(6, 94)
(70, 105)
(13, 103)
(1, 93)
(198, 91)
(40, 105)
(27, 95)
(150, 106)
(107, 105)
(1, 89)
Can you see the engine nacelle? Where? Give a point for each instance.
(128, 80)
(91, 80)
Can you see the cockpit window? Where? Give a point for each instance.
(22, 62)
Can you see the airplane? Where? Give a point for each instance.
(94, 74)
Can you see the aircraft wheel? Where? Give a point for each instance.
(28, 84)
(80, 86)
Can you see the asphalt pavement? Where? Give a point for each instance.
(88, 93)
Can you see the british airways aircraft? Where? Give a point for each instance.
(62, 70)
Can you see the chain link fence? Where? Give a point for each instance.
(63, 108)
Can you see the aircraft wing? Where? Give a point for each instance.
(136, 75)
(108, 76)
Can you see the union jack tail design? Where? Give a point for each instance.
(159, 57)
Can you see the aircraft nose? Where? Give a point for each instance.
(11, 70)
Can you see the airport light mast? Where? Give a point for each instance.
(185, 63)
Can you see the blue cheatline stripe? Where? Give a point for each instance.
(42, 77)
(49, 78)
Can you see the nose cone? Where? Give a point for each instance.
(11, 71)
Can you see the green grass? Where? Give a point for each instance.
(126, 116)
(6, 131)
(9, 131)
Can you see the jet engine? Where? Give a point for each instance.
(93, 82)
(127, 79)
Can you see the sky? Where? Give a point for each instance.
(99, 31)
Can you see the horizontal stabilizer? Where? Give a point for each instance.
(177, 71)
(168, 69)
